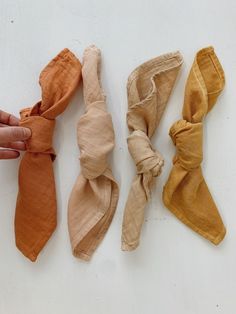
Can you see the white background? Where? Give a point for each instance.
(174, 270)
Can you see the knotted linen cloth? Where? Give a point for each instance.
(149, 87)
(94, 197)
(186, 193)
(36, 206)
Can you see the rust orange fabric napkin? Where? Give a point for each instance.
(149, 87)
(36, 207)
(94, 196)
(186, 193)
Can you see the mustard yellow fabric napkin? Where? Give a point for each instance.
(186, 193)
(94, 198)
(149, 87)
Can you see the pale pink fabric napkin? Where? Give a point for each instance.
(94, 198)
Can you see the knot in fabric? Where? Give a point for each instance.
(187, 137)
(95, 140)
(145, 157)
(42, 133)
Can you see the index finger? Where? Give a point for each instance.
(8, 119)
(14, 134)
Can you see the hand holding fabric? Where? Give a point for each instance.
(12, 136)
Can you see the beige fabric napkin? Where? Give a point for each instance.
(94, 197)
(149, 87)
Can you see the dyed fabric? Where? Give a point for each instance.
(94, 197)
(149, 87)
(36, 207)
(186, 193)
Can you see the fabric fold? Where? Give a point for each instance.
(149, 87)
(186, 193)
(36, 206)
(94, 197)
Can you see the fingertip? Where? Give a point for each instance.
(19, 145)
(15, 154)
(9, 154)
(26, 133)
(14, 134)
(13, 121)
(8, 119)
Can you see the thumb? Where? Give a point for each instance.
(13, 134)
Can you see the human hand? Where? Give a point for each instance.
(12, 136)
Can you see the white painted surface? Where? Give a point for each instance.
(174, 270)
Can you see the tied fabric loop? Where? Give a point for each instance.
(149, 87)
(187, 138)
(96, 124)
(94, 197)
(42, 134)
(186, 193)
(145, 157)
(36, 205)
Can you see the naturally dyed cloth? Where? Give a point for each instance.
(94, 197)
(186, 193)
(36, 207)
(149, 87)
